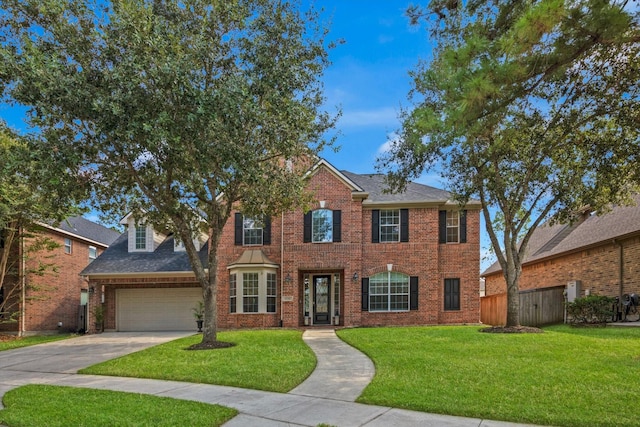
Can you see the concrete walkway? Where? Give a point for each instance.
(325, 397)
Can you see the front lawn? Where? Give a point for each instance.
(8, 342)
(564, 377)
(52, 406)
(272, 360)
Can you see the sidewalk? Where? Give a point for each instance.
(325, 397)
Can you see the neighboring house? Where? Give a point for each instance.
(599, 254)
(56, 300)
(359, 257)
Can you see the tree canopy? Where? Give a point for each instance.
(529, 106)
(178, 109)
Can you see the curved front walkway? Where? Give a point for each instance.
(325, 397)
(342, 371)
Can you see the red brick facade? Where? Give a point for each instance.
(51, 302)
(351, 260)
(611, 268)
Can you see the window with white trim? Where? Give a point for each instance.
(453, 226)
(67, 246)
(253, 291)
(250, 292)
(252, 231)
(93, 253)
(322, 226)
(389, 291)
(141, 237)
(390, 225)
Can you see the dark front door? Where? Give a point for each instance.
(321, 300)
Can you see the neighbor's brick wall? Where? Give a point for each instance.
(598, 268)
(55, 296)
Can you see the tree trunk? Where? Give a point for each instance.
(512, 278)
(210, 298)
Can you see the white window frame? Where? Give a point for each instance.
(326, 216)
(138, 238)
(395, 224)
(453, 227)
(252, 225)
(265, 277)
(93, 251)
(68, 246)
(382, 285)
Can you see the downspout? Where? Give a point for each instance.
(23, 284)
(282, 268)
(620, 267)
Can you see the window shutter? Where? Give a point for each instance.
(266, 231)
(463, 226)
(337, 226)
(365, 294)
(307, 227)
(413, 293)
(442, 226)
(238, 229)
(375, 226)
(404, 225)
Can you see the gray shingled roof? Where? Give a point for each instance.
(375, 185)
(89, 230)
(554, 240)
(117, 259)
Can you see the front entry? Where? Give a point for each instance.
(322, 300)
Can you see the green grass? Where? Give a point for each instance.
(564, 377)
(51, 406)
(273, 360)
(18, 342)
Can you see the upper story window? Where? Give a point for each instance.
(67, 246)
(141, 237)
(93, 253)
(323, 226)
(252, 231)
(389, 225)
(453, 226)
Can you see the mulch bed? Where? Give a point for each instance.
(512, 330)
(210, 345)
(7, 338)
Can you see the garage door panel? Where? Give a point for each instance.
(156, 309)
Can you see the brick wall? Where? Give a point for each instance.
(597, 267)
(55, 296)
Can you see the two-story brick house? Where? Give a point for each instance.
(359, 257)
(56, 300)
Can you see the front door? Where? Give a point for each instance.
(321, 300)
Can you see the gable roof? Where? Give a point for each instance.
(117, 260)
(550, 241)
(82, 228)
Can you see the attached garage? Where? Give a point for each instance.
(156, 309)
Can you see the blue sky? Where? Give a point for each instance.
(368, 79)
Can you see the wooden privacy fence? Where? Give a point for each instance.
(537, 307)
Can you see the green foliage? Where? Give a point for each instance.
(530, 107)
(171, 111)
(272, 360)
(592, 309)
(17, 342)
(519, 378)
(40, 405)
(198, 310)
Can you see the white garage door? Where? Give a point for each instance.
(162, 309)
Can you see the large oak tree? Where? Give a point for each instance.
(176, 110)
(530, 106)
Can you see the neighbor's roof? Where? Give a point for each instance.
(550, 241)
(118, 260)
(78, 226)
